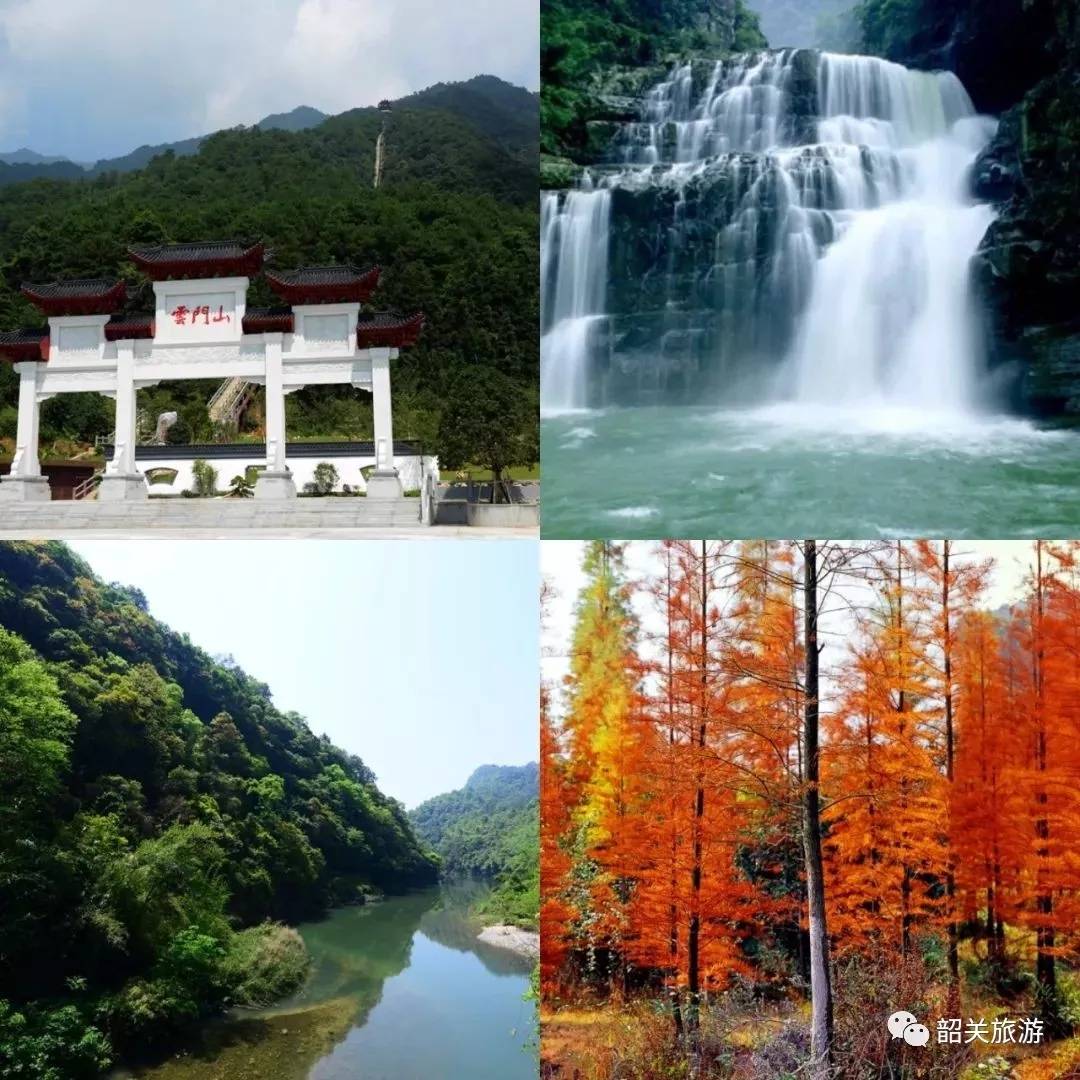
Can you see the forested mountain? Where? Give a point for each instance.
(490, 828)
(155, 803)
(508, 114)
(453, 224)
(25, 156)
(496, 108)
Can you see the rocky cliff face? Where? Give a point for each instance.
(998, 48)
(587, 45)
(1028, 267)
(1019, 59)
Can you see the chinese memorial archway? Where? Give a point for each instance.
(202, 329)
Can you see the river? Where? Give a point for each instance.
(399, 990)
(774, 472)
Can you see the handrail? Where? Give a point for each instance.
(80, 491)
(229, 399)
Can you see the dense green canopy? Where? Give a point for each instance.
(579, 38)
(156, 801)
(490, 828)
(454, 225)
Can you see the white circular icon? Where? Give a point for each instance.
(900, 1020)
(916, 1034)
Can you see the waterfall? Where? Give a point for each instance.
(814, 244)
(573, 274)
(890, 319)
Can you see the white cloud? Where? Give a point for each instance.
(98, 77)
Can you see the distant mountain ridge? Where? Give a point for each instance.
(495, 108)
(25, 156)
(490, 790)
(491, 828)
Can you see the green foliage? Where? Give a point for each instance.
(490, 828)
(489, 421)
(205, 477)
(888, 26)
(324, 479)
(189, 980)
(155, 801)
(265, 963)
(453, 225)
(579, 38)
(240, 487)
(51, 1043)
(35, 734)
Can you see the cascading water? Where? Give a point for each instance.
(890, 319)
(574, 282)
(783, 241)
(813, 245)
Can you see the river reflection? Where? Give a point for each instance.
(400, 989)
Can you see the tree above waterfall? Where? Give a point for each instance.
(579, 38)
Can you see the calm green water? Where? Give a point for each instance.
(783, 471)
(400, 990)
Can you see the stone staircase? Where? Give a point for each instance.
(211, 514)
(230, 400)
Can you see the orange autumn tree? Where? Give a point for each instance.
(886, 847)
(605, 733)
(1044, 798)
(767, 655)
(987, 848)
(949, 591)
(659, 938)
(691, 906)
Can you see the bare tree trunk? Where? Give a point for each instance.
(950, 874)
(821, 1010)
(673, 931)
(1045, 971)
(693, 937)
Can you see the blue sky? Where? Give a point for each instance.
(97, 78)
(420, 656)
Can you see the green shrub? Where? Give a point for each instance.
(51, 1044)
(265, 964)
(205, 478)
(188, 982)
(148, 1009)
(241, 488)
(325, 478)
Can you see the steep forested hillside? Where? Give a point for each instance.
(506, 113)
(454, 225)
(155, 802)
(490, 828)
